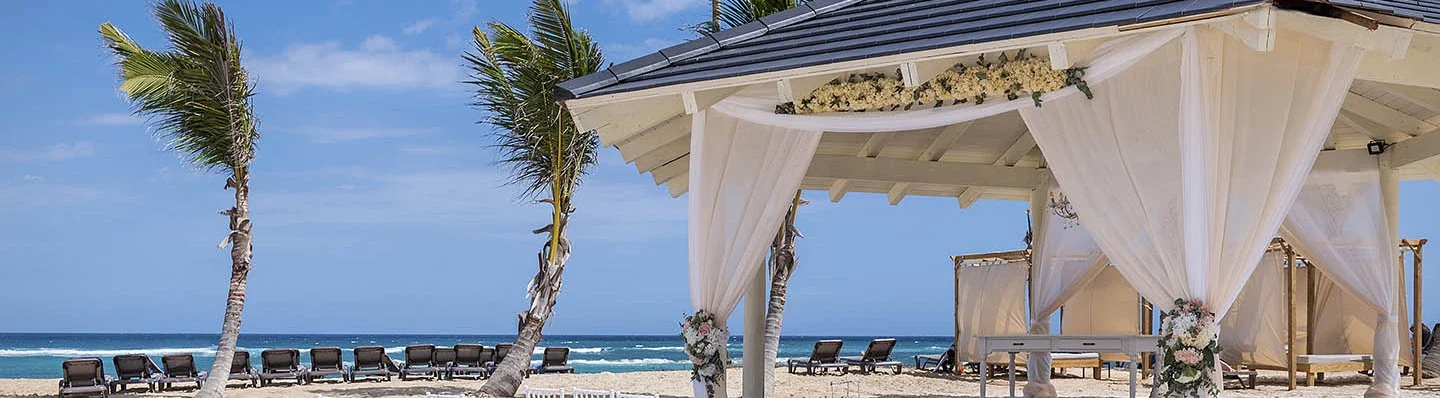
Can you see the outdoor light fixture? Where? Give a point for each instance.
(1376, 147)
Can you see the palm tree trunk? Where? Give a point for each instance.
(510, 373)
(240, 254)
(782, 261)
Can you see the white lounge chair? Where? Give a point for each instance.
(544, 392)
(583, 393)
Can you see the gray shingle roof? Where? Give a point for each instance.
(828, 31)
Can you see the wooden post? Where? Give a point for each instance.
(958, 369)
(1311, 273)
(1147, 320)
(1416, 256)
(1290, 314)
(1418, 321)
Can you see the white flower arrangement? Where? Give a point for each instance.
(705, 343)
(1023, 75)
(1190, 341)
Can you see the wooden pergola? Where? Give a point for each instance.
(1293, 261)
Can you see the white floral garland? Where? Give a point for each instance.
(1190, 341)
(705, 343)
(1023, 75)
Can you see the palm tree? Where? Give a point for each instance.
(515, 77)
(197, 96)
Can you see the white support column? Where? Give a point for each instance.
(753, 381)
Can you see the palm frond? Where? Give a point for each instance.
(196, 94)
(739, 12)
(514, 77)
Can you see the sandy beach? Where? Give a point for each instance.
(911, 384)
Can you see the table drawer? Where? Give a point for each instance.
(1088, 345)
(1015, 345)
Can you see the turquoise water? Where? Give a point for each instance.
(38, 355)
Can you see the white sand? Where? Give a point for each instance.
(911, 384)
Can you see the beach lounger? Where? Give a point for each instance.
(471, 359)
(825, 356)
(443, 361)
(281, 364)
(500, 351)
(544, 392)
(1242, 376)
(241, 369)
(945, 362)
(179, 368)
(370, 361)
(583, 393)
(876, 355)
(624, 395)
(325, 362)
(83, 376)
(1316, 365)
(556, 360)
(1081, 360)
(133, 369)
(419, 361)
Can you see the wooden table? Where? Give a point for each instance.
(1014, 344)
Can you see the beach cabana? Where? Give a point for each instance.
(1228, 106)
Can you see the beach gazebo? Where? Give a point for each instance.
(1183, 133)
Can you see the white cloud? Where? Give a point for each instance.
(621, 52)
(419, 26)
(32, 178)
(378, 62)
(53, 153)
(435, 150)
(330, 135)
(649, 10)
(463, 199)
(113, 119)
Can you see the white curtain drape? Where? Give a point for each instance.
(1340, 224)
(991, 302)
(1184, 165)
(742, 178)
(1105, 306)
(1064, 259)
(1255, 327)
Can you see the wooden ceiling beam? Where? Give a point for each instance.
(1010, 157)
(932, 153)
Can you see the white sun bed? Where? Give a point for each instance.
(1315, 365)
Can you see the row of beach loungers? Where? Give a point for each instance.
(826, 357)
(579, 393)
(86, 376)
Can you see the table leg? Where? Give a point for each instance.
(1012, 375)
(1133, 382)
(983, 373)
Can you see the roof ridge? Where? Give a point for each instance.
(706, 43)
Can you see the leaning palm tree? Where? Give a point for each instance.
(515, 77)
(728, 14)
(197, 96)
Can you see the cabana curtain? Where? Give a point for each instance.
(1183, 166)
(742, 178)
(1064, 259)
(1339, 223)
(996, 298)
(1255, 328)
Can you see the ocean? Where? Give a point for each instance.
(38, 355)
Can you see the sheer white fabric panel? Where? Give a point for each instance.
(1255, 327)
(1065, 259)
(992, 302)
(1188, 213)
(757, 104)
(742, 179)
(1339, 223)
(1345, 323)
(1107, 305)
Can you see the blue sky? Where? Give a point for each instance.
(377, 206)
